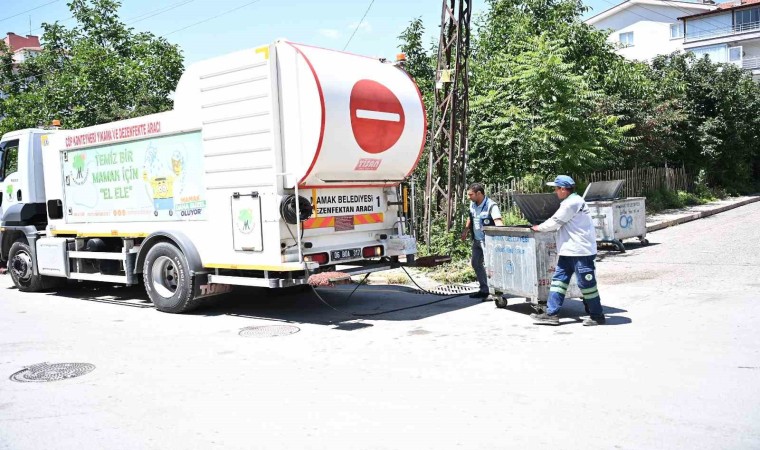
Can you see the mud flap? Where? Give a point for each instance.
(202, 288)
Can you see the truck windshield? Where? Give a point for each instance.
(8, 158)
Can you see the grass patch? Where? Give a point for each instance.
(396, 278)
(662, 199)
(457, 271)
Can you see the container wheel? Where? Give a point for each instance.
(500, 301)
(644, 241)
(167, 279)
(21, 268)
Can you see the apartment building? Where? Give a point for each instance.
(643, 29)
(730, 33)
(22, 47)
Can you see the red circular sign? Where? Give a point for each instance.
(377, 118)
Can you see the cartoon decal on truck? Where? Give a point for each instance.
(146, 179)
(163, 194)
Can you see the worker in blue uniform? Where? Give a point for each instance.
(484, 212)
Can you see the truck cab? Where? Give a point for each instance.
(22, 185)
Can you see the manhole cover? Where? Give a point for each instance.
(269, 331)
(452, 289)
(40, 373)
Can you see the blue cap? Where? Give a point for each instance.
(562, 181)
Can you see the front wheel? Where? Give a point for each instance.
(167, 279)
(21, 268)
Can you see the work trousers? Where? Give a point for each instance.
(478, 264)
(583, 268)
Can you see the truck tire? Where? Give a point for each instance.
(21, 268)
(167, 279)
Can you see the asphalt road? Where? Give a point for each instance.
(677, 366)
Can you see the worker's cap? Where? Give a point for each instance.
(562, 181)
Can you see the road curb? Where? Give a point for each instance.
(699, 215)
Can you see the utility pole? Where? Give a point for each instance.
(447, 161)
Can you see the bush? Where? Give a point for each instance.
(665, 199)
(446, 243)
(689, 199)
(661, 199)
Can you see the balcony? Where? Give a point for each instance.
(699, 35)
(751, 63)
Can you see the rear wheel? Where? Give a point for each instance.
(167, 279)
(21, 268)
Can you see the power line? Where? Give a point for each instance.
(28, 10)
(212, 18)
(672, 3)
(156, 12)
(656, 12)
(359, 24)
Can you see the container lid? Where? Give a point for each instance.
(537, 208)
(603, 190)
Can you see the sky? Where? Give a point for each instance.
(208, 28)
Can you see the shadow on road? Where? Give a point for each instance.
(133, 296)
(572, 309)
(336, 305)
(329, 306)
(631, 248)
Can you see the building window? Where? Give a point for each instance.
(735, 55)
(717, 53)
(676, 31)
(747, 19)
(626, 39)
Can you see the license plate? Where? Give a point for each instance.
(350, 253)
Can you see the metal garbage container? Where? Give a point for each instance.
(616, 218)
(520, 262)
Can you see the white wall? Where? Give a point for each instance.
(651, 29)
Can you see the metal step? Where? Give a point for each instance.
(122, 279)
(96, 255)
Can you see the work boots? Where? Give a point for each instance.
(544, 319)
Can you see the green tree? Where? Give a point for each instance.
(720, 128)
(98, 71)
(420, 64)
(536, 103)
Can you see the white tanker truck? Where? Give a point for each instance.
(275, 163)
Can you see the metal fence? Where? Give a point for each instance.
(638, 182)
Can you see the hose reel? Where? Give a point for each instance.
(288, 209)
